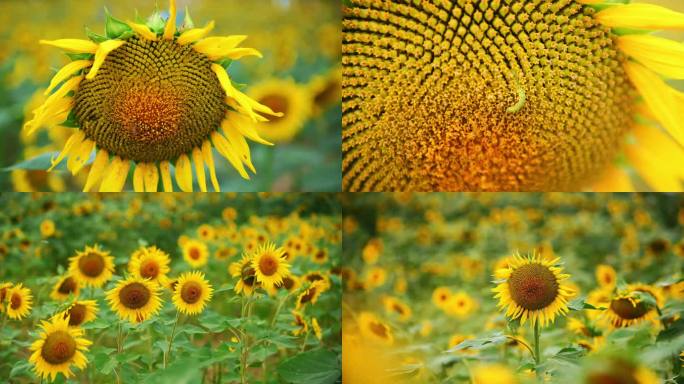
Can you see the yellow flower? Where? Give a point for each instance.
(375, 277)
(372, 251)
(375, 330)
(311, 294)
(151, 264)
(460, 304)
(135, 299)
(92, 267)
(18, 302)
(325, 90)
(206, 232)
(224, 253)
(616, 369)
(441, 296)
(286, 97)
(192, 293)
(317, 329)
(625, 309)
(4, 290)
(397, 307)
(320, 256)
(605, 276)
(47, 228)
(80, 312)
(493, 374)
(246, 275)
(130, 103)
(58, 348)
(195, 253)
(532, 288)
(269, 265)
(66, 286)
(300, 322)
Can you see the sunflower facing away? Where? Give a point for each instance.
(92, 267)
(532, 288)
(246, 275)
(58, 348)
(135, 299)
(269, 265)
(18, 302)
(154, 96)
(66, 286)
(192, 293)
(80, 312)
(511, 95)
(625, 309)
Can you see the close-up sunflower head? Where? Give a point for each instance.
(58, 348)
(512, 95)
(164, 99)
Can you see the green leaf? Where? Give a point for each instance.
(187, 20)
(645, 298)
(579, 304)
(110, 365)
(481, 343)
(513, 325)
(114, 27)
(225, 63)
(39, 163)
(80, 56)
(155, 22)
(673, 330)
(312, 367)
(95, 37)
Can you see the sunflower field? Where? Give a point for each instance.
(513, 288)
(156, 104)
(170, 288)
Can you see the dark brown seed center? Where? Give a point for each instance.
(626, 310)
(378, 329)
(268, 264)
(194, 253)
(149, 269)
(91, 264)
(59, 347)
(15, 301)
(248, 275)
(134, 295)
(533, 286)
(76, 314)
(67, 286)
(191, 292)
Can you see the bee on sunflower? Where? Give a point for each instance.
(150, 94)
(58, 348)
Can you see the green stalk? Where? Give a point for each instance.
(173, 333)
(537, 355)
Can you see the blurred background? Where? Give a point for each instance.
(300, 41)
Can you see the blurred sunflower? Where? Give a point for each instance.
(112, 94)
(92, 267)
(626, 309)
(493, 373)
(397, 307)
(605, 276)
(286, 97)
(135, 299)
(80, 312)
(195, 253)
(532, 288)
(320, 256)
(374, 330)
(66, 287)
(24, 180)
(269, 265)
(192, 293)
(325, 90)
(618, 370)
(18, 302)
(310, 295)
(58, 348)
(4, 290)
(47, 228)
(441, 296)
(246, 275)
(151, 264)
(511, 95)
(302, 327)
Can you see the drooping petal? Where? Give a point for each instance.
(641, 16)
(239, 143)
(65, 72)
(138, 183)
(192, 35)
(151, 177)
(246, 127)
(170, 27)
(657, 158)
(165, 169)
(74, 140)
(658, 54)
(614, 179)
(224, 148)
(238, 53)
(209, 160)
(199, 168)
(215, 45)
(73, 45)
(666, 103)
(142, 30)
(80, 155)
(115, 175)
(102, 52)
(184, 173)
(96, 170)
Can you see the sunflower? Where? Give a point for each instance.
(317, 329)
(195, 253)
(47, 228)
(269, 265)
(25, 180)
(441, 296)
(57, 348)
(460, 304)
(626, 309)
(66, 287)
(80, 312)
(325, 90)
(374, 329)
(18, 302)
(151, 264)
(206, 232)
(510, 95)
(493, 373)
(311, 294)
(300, 323)
(314, 276)
(618, 370)
(605, 276)
(4, 290)
(246, 275)
(532, 288)
(320, 256)
(287, 97)
(151, 95)
(192, 293)
(224, 253)
(92, 267)
(397, 307)
(135, 299)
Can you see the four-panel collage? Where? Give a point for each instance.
(342, 191)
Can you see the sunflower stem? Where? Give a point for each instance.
(173, 333)
(537, 355)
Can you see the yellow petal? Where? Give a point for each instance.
(216, 44)
(138, 184)
(199, 168)
(192, 35)
(96, 170)
(80, 155)
(67, 71)
(666, 103)
(656, 53)
(165, 169)
(614, 179)
(224, 148)
(184, 173)
(73, 45)
(74, 140)
(102, 52)
(143, 30)
(170, 27)
(239, 143)
(238, 53)
(209, 160)
(657, 158)
(641, 16)
(151, 177)
(246, 127)
(115, 175)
